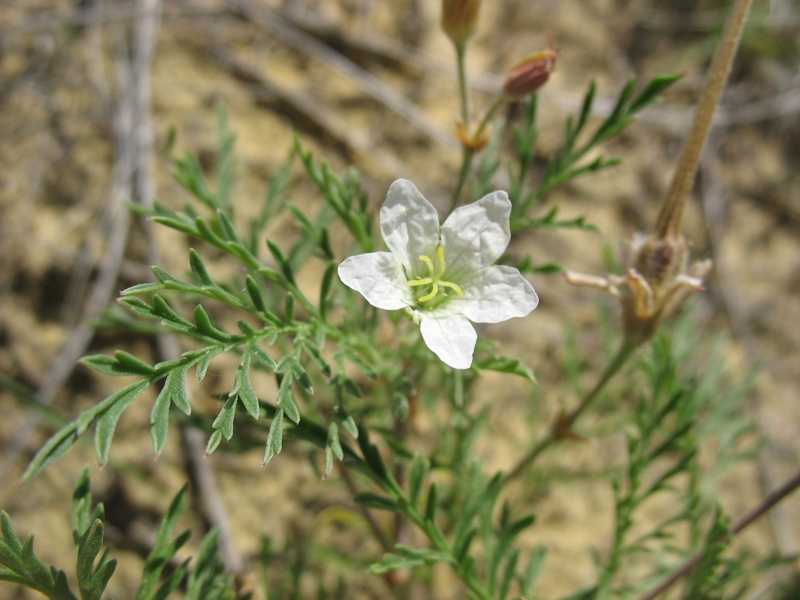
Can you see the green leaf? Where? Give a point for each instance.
(316, 357)
(256, 297)
(130, 364)
(244, 389)
(224, 420)
(432, 503)
(205, 361)
(9, 535)
(168, 316)
(286, 401)
(371, 500)
(325, 289)
(205, 327)
(650, 93)
(288, 309)
(55, 447)
(371, 455)
(409, 557)
(163, 276)
(107, 423)
(159, 416)
(302, 378)
(88, 550)
(164, 549)
(419, 469)
(533, 570)
(199, 269)
(122, 364)
(138, 307)
(81, 506)
(505, 364)
(142, 288)
(213, 441)
(226, 226)
(280, 259)
(260, 355)
(34, 568)
(393, 562)
(274, 438)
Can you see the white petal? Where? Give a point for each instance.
(476, 235)
(495, 294)
(379, 277)
(451, 337)
(410, 226)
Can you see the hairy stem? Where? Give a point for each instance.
(670, 220)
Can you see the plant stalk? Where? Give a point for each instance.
(566, 422)
(670, 220)
(758, 511)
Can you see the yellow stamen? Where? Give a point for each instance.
(440, 251)
(452, 286)
(423, 281)
(434, 279)
(428, 262)
(432, 295)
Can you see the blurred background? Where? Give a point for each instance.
(98, 96)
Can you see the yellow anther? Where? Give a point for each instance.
(432, 295)
(452, 286)
(423, 281)
(440, 252)
(428, 262)
(434, 280)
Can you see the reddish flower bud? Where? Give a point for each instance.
(459, 18)
(529, 75)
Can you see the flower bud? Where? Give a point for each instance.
(459, 18)
(529, 75)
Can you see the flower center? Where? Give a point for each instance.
(434, 279)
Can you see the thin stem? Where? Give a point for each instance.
(670, 220)
(765, 505)
(469, 153)
(466, 166)
(374, 527)
(461, 60)
(565, 423)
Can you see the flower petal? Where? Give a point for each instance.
(379, 277)
(410, 226)
(477, 234)
(495, 294)
(451, 337)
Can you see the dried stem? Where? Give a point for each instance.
(670, 220)
(751, 516)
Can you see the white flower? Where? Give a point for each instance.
(445, 277)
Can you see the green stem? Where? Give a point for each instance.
(625, 351)
(466, 166)
(440, 544)
(469, 153)
(461, 60)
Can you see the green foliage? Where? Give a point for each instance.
(23, 567)
(689, 406)
(206, 581)
(340, 382)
